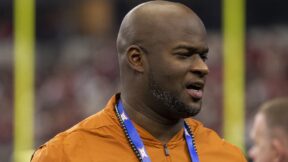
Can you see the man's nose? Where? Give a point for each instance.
(199, 66)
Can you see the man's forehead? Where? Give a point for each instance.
(176, 31)
(259, 126)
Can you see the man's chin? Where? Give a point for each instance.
(187, 111)
(193, 108)
(191, 112)
(195, 112)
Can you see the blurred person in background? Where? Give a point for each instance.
(162, 48)
(270, 132)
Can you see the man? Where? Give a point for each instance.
(270, 132)
(162, 49)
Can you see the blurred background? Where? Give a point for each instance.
(77, 69)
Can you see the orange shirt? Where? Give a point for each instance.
(100, 138)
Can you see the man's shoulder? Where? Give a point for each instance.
(204, 134)
(210, 145)
(96, 125)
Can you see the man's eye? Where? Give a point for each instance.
(204, 57)
(186, 54)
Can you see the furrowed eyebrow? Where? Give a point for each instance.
(191, 49)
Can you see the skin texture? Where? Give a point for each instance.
(269, 133)
(262, 151)
(162, 50)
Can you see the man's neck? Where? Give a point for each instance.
(160, 127)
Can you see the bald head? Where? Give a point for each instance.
(151, 23)
(276, 113)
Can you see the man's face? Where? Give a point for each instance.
(177, 69)
(262, 150)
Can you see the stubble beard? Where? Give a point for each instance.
(176, 107)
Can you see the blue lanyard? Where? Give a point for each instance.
(136, 140)
(190, 144)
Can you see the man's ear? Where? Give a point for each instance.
(280, 149)
(135, 57)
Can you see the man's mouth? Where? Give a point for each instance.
(195, 90)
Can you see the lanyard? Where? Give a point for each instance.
(136, 142)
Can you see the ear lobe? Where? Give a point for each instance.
(135, 58)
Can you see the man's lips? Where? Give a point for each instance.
(195, 89)
(197, 94)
